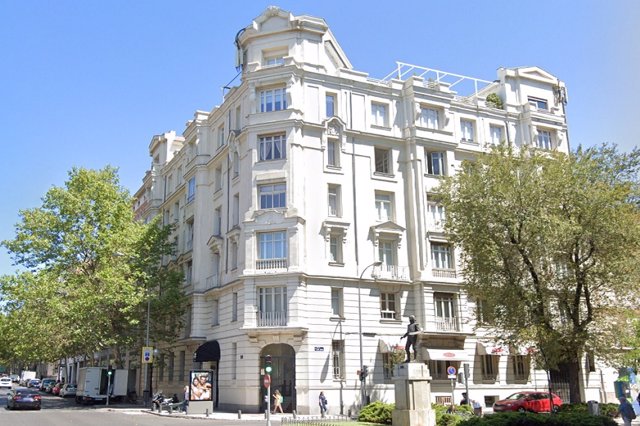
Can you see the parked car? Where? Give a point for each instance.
(15, 378)
(23, 398)
(56, 389)
(536, 402)
(68, 390)
(6, 382)
(49, 388)
(34, 383)
(45, 383)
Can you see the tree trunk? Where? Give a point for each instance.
(568, 375)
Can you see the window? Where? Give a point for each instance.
(378, 114)
(188, 235)
(484, 312)
(435, 163)
(337, 356)
(543, 140)
(387, 253)
(273, 59)
(215, 314)
(384, 206)
(273, 99)
(238, 119)
(272, 306)
(436, 214)
(466, 128)
(176, 211)
(489, 367)
(272, 196)
(188, 270)
(387, 305)
(429, 118)
(234, 255)
(272, 147)
(236, 210)
(171, 367)
(218, 178)
(520, 367)
(234, 306)
(179, 176)
(495, 135)
(181, 365)
(337, 302)
(441, 256)
(333, 200)
(217, 221)
(330, 103)
(236, 164)
(383, 160)
(234, 360)
(333, 153)
(590, 362)
(272, 245)
(335, 248)
(191, 193)
(538, 103)
(221, 140)
(446, 319)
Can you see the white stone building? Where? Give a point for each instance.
(287, 193)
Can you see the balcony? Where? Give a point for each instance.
(271, 319)
(271, 264)
(212, 282)
(444, 273)
(393, 272)
(447, 324)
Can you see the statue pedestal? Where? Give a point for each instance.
(413, 395)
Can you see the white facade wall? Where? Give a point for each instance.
(222, 220)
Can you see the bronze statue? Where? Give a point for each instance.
(412, 336)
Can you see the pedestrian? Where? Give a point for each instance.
(277, 401)
(477, 408)
(465, 399)
(185, 402)
(626, 411)
(322, 401)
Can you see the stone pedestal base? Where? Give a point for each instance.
(413, 395)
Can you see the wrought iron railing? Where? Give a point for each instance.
(447, 324)
(272, 319)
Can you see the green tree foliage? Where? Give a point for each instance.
(89, 271)
(550, 243)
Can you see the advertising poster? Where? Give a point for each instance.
(200, 385)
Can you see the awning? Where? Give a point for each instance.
(208, 351)
(491, 348)
(448, 355)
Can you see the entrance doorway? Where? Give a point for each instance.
(283, 375)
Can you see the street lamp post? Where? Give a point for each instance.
(362, 379)
(147, 391)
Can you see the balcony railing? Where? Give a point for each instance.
(447, 324)
(393, 272)
(262, 264)
(272, 319)
(212, 282)
(444, 273)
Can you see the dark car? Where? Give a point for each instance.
(34, 383)
(536, 402)
(23, 398)
(45, 383)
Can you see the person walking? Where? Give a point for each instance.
(185, 402)
(626, 411)
(277, 401)
(322, 401)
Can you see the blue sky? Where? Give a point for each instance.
(88, 83)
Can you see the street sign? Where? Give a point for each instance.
(266, 381)
(451, 370)
(147, 354)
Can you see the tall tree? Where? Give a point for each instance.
(550, 243)
(91, 269)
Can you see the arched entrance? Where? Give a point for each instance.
(283, 376)
(210, 352)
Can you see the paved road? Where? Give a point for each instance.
(57, 411)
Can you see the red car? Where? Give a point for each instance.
(536, 402)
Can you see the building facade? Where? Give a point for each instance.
(287, 196)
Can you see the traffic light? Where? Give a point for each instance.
(268, 368)
(110, 371)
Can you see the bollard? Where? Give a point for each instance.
(239, 414)
(206, 412)
(294, 414)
